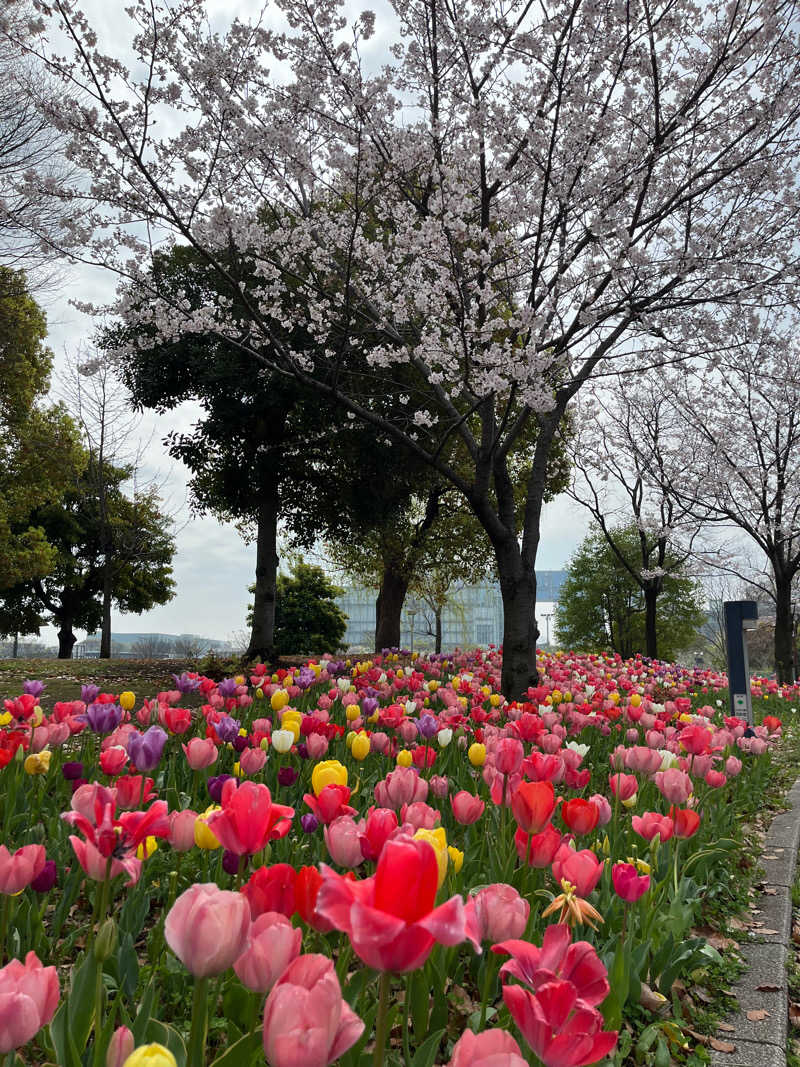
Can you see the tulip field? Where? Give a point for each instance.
(377, 862)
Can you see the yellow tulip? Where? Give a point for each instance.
(154, 1055)
(38, 762)
(635, 700)
(456, 858)
(38, 716)
(438, 840)
(328, 772)
(476, 754)
(404, 758)
(495, 700)
(259, 694)
(279, 699)
(5, 718)
(352, 711)
(146, 848)
(204, 837)
(360, 747)
(127, 700)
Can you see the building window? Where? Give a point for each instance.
(484, 633)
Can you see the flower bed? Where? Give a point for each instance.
(373, 862)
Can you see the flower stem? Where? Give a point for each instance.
(487, 982)
(383, 1010)
(197, 1035)
(407, 1018)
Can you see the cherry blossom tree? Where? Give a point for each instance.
(499, 200)
(625, 462)
(741, 454)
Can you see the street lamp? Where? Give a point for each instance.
(547, 618)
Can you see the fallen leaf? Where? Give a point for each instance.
(794, 1013)
(702, 1038)
(757, 1014)
(768, 988)
(765, 930)
(769, 892)
(727, 1028)
(722, 1046)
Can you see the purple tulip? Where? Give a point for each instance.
(427, 726)
(89, 693)
(305, 678)
(34, 689)
(102, 718)
(240, 743)
(227, 729)
(145, 749)
(230, 862)
(302, 750)
(227, 687)
(185, 684)
(368, 705)
(46, 878)
(215, 785)
(309, 822)
(287, 776)
(71, 771)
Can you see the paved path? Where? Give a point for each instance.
(761, 1042)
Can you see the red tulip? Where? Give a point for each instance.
(391, 918)
(561, 1031)
(178, 720)
(580, 816)
(538, 850)
(248, 819)
(532, 804)
(306, 890)
(685, 821)
(113, 759)
(331, 803)
(629, 885)
(695, 739)
(271, 889)
(376, 830)
(558, 958)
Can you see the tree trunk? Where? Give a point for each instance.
(15, 647)
(66, 639)
(105, 628)
(389, 607)
(518, 589)
(262, 633)
(784, 660)
(438, 637)
(650, 605)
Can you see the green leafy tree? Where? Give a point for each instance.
(601, 606)
(40, 454)
(70, 595)
(308, 621)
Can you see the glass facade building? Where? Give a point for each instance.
(472, 618)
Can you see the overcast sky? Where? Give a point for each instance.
(213, 565)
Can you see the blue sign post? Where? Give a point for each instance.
(740, 615)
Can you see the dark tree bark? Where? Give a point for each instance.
(105, 628)
(651, 592)
(784, 658)
(389, 607)
(15, 647)
(438, 637)
(262, 633)
(66, 639)
(518, 588)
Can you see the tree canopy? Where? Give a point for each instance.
(307, 619)
(602, 607)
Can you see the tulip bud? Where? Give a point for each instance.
(106, 941)
(154, 1055)
(120, 1047)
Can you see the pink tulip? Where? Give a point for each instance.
(558, 959)
(307, 1022)
(272, 944)
(623, 786)
(95, 865)
(120, 1047)
(715, 779)
(629, 885)
(343, 841)
(492, 1048)
(583, 869)
(651, 824)
(181, 830)
(497, 913)
(317, 746)
(603, 808)
(400, 786)
(420, 815)
(252, 760)
(28, 1000)
(674, 785)
(207, 928)
(467, 808)
(733, 766)
(18, 869)
(200, 752)
(440, 786)
(561, 1031)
